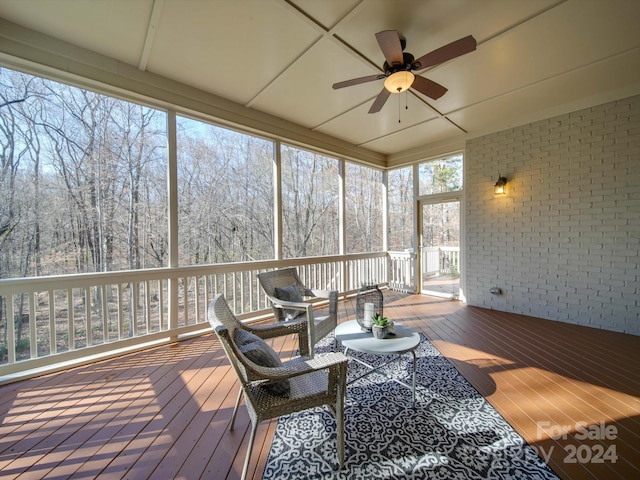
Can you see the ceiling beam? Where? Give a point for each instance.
(323, 32)
(154, 19)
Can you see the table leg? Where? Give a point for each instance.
(371, 369)
(414, 377)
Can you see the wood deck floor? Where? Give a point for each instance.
(163, 413)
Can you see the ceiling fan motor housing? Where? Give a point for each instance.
(408, 65)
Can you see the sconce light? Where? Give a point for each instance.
(498, 188)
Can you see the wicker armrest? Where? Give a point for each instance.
(291, 305)
(295, 327)
(322, 361)
(299, 366)
(325, 293)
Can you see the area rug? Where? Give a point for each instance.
(452, 433)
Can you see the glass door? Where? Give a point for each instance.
(440, 248)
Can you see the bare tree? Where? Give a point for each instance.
(225, 194)
(363, 209)
(13, 147)
(310, 195)
(400, 197)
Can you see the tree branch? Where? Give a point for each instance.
(12, 101)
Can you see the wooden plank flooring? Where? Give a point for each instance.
(545, 378)
(163, 413)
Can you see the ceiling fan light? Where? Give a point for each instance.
(399, 81)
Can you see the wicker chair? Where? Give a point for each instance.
(296, 327)
(311, 382)
(275, 281)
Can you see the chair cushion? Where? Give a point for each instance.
(290, 293)
(260, 353)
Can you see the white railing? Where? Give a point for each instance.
(73, 316)
(440, 260)
(402, 271)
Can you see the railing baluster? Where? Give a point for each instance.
(199, 298)
(33, 338)
(53, 340)
(196, 309)
(104, 306)
(185, 300)
(147, 306)
(192, 304)
(120, 314)
(71, 326)
(133, 307)
(207, 295)
(252, 277)
(11, 329)
(87, 314)
(161, 306)
(232, 295)
(241, 291)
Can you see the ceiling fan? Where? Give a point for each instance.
(399, 65)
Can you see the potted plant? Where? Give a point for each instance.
(381, 325)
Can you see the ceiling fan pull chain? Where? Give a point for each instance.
(399, 109)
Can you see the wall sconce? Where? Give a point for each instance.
(499, 187)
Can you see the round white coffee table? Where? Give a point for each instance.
(351, 336)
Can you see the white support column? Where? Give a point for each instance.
(417, 228)
(172, 217)
(385, 220)
(463, 233)
(342, 222)
(277, 200)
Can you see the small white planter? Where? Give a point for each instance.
(380, 332)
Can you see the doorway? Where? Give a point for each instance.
(440, 248)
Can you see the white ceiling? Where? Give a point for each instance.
(535, 58)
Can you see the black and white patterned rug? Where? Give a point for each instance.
(453, 433)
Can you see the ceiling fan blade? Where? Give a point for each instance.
(442, 54)
(389, 42)
(356, 81)
(380, 100)
(428, 87)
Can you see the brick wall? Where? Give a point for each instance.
(564, 242)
